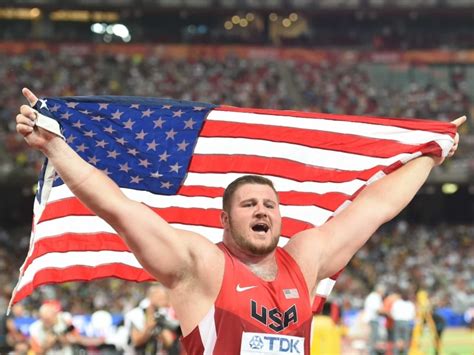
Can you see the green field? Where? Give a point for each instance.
(455, 341)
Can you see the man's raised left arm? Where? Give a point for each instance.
(323, 251)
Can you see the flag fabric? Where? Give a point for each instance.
(178, 156)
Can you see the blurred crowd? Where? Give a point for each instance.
(438, 259)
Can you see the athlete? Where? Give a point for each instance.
(244, 295)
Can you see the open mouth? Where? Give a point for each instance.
(260, 228)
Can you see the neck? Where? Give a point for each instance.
(263, 266)
(265, 272)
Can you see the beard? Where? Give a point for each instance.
(247, 245)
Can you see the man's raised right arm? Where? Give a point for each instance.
(163, 251)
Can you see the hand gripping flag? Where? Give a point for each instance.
(177, 157)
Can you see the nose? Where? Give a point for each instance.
(260, 210)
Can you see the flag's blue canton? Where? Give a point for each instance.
(141, 143)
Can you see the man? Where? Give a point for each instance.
(53, 333)
(372, 311)
(49, 334)
(386, 312)
(403, 313)
(152, 330)
(243, 295)
(10, 335)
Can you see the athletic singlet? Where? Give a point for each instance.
(253, 316)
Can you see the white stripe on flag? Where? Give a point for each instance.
(281, 184)
(403, 135)
(222, 180)
(76, 258)
(72, 224)
(306, 155)
(325, 287)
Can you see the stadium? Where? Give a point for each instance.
(370, 58)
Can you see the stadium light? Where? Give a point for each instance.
(286, 22)
(121, 31)
(98, 28)
(235, 19)
(228, 25)
(35, 13)
(22, 13)
(109, 31)
(244, 22)
(201, 29)
(449, 188)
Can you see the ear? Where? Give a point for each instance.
(225, 220)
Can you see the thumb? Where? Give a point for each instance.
(28, 94)
(459, 121)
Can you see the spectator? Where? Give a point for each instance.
(53, 333)
(387, 313)
(403, 313)
(151, 326)
(372, 308)
(326, 335)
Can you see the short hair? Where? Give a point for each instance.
(243, 180)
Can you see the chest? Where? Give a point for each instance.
(276, 306)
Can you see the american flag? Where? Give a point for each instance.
(291, 293)
(178, 156)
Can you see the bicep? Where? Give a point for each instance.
(323, 251)
(164, 251)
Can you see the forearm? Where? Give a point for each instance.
(89, 184)
(387, 197)
(140, 338)
(377, 204)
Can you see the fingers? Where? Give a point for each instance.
(455, 145)
(28, 112)
(28, 94)
(459, 121)
(24, 125)
(25, 120)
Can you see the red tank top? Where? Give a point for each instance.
(252, 316)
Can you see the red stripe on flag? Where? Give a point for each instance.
(191, 216)
(318, 304)
(66, 207)
(337, 142)
(274, 167)
(82, 273)
(76, 242)
(329, 201)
